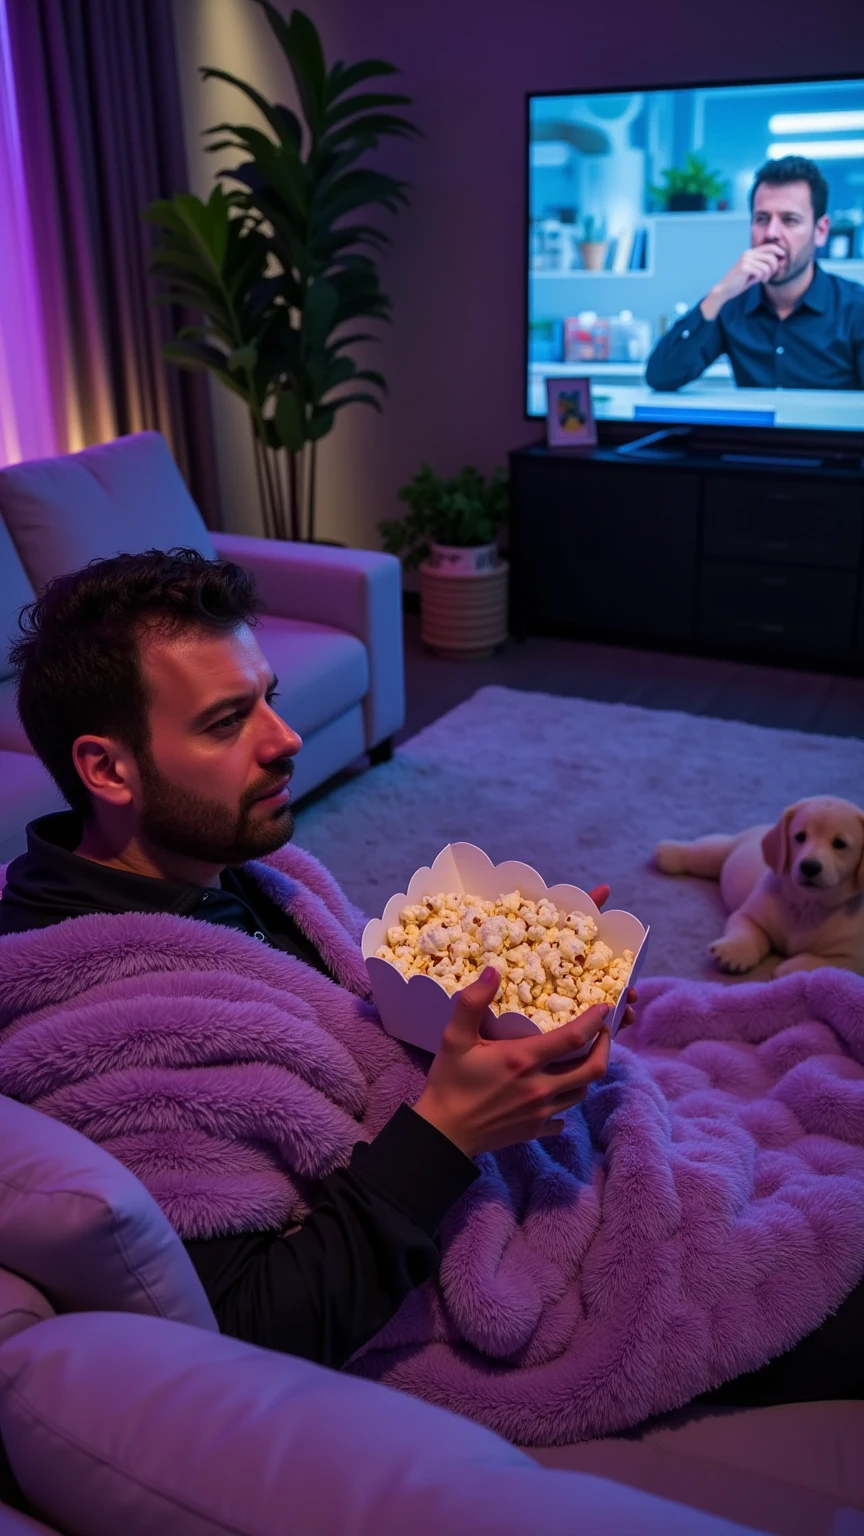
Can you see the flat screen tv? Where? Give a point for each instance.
(641, 205)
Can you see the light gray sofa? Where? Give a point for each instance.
(122, 1409)
(332, 630)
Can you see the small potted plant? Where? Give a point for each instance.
(593, 245)
(688, 188)
(449, 534)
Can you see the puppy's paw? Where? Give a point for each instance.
(735, 956)
(671, 857)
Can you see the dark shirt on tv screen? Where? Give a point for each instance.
(819, 346)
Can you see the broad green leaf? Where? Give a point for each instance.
(301, 46)
(369, 101)
(289, 422)
(319, 424)
(243, 359)
(344, 79)
(284, 123)
(322, 301)
(374, 125)
(196, 356)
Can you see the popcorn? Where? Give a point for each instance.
(551, 963)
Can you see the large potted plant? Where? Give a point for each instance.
(688, 188)
(449, 534)
(278, 270)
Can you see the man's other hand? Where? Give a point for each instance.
(489, 1094)
(758, 265)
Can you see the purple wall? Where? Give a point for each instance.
(453, 358)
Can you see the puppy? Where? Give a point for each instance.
(796, 889)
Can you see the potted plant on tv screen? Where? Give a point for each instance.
(688, 188)
(450, 534)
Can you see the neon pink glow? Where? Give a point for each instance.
(26, 412)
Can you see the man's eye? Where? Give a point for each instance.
(227, 723)
(274, 694)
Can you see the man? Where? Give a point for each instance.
(781, 320)
(144, 691)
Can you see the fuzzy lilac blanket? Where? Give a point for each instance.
(702, 1211)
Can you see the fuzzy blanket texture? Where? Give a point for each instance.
(702, 1211)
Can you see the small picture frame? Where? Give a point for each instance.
(569, 418)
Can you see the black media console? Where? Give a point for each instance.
(675, 547)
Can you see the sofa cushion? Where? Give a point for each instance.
(21, 1305)
(83, 1229)
(124, 496)
(14, 1524)
(15, 590)
(791, 1469)
(321, 671)
(26, 791)
(137, 1425)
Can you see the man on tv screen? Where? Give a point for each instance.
(781, 320)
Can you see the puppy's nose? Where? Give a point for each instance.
(810, 868)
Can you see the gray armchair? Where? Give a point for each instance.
(332, 629)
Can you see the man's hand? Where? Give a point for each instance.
(757, 265)
(488, 1094)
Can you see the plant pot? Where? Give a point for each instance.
(687, 202)
(463, 615)
(593, 253)
(461, 560)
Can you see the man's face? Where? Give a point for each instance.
(216, 748)
(783, 217)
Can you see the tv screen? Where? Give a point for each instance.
(685, 295)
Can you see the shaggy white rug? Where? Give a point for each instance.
(582, 791)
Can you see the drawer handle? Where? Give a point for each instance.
(773, 629)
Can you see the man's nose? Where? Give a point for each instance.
(282, 740)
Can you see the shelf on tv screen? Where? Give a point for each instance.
(606, 370)
(570, 272)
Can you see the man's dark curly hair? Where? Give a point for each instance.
(779, 173)
(78, 660)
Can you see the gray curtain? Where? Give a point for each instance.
(102, 135)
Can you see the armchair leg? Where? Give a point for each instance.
(381, 752)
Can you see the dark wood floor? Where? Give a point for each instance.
(729, 690)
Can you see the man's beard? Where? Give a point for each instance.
(184, 822)
(790, 272)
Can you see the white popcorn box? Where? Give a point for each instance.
(417, 1010)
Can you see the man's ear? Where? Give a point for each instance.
(820, 231)
(775, 844)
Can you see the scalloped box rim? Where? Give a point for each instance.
(465, 867)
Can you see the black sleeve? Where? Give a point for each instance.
(325, 1290)
(685, 351)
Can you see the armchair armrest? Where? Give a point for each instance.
(355, 590)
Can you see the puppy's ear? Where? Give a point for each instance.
(775, 844)
(858, 878)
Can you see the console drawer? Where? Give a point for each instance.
(781, 608)
(801, 522)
